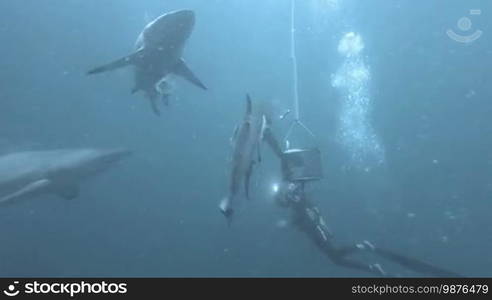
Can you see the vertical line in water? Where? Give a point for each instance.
(294, 59)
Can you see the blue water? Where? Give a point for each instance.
(414, 174)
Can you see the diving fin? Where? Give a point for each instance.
(415, 264)
(33, 188)
(184, 71)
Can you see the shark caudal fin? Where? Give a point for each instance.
(184, 71)
(119, 63)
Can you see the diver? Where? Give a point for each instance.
(301, 166)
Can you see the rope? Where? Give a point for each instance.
(294, 59)
(295, 75)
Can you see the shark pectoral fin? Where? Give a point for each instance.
(68, 192)
(31, 189)
(119, 63)
(247, 179)
(184, 71)
(264, 127)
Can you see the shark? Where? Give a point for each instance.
(158, 53)
(29, 174)
(246, 141)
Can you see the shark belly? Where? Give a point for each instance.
(152, 68)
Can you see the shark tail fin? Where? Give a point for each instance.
(184, 71)
(119, 63)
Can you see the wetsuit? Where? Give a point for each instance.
(309, 220)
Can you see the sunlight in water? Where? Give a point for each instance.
(352, 80)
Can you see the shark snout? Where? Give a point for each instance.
(184, 14)
(184, 18)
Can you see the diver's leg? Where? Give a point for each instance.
(339, 257)
(347, 250)
(323, 240)
(375, 269)
(313, 224)
(405, 261)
